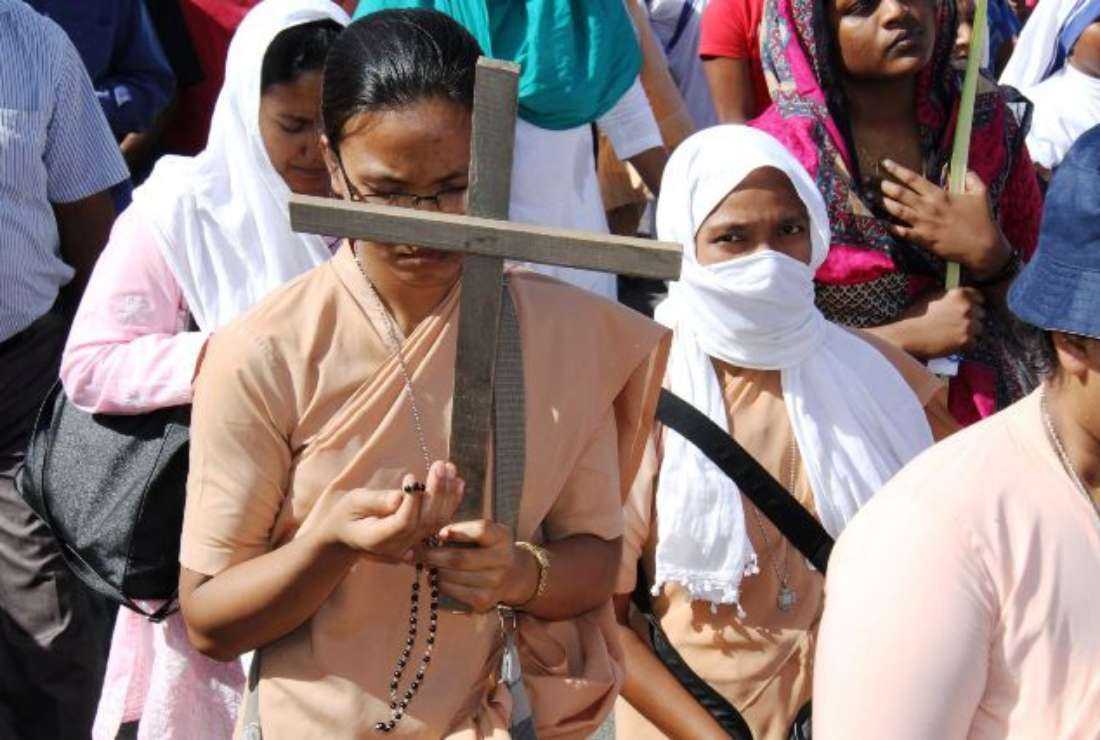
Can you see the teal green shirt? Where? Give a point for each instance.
(577, 57)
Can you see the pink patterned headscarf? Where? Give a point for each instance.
(870, 277)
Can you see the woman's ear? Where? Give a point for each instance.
(1073, 353)
(336, 182)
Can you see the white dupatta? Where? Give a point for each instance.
(1066, 100)
(221, 218)
(854, 417)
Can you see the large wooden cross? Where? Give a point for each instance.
(487, 238)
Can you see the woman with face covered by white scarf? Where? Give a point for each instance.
(831, 413)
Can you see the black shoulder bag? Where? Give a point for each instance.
(792, 520)
(111, 488)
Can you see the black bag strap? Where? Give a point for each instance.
(90, 576)
(724, 713)
(790, 517)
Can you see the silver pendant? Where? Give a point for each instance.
(786, 599)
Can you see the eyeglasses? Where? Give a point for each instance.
(451, 200)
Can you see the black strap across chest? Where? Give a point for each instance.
(791, 518)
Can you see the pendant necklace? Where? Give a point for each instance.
(787, 597)
(1063, 456)
(399, 702)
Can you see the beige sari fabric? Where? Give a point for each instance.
(300, 401)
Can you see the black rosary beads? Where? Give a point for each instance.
(398, 706)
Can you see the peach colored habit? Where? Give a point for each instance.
(300, 401)
(761, 663)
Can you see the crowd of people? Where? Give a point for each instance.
(797, 151)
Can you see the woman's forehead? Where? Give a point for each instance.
(765, 184)
(422, 142)
(765, 194)
(767, 178)
(298, 96)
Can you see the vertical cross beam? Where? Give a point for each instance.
(492, 142)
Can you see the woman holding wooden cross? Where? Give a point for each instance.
(319, 496)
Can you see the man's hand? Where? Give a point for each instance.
(83, 227)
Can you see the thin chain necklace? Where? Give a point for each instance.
(1056, 442)
(399, 703)
(787, 597)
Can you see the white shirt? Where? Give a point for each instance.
(678, 25)
(55, 147)
(554, 177)
(1067, 104)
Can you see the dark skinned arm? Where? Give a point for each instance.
(258, 601)
(139, 148)
(585, 579)
(581, 576)
(583, 557)
(650, 165)
(957, 227)
(654, 692)
(730, 83)
(83, 226)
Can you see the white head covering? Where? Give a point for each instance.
(854, 417)
(1036, 55)
(1066, 105)
(221, 217)
(1066, 100)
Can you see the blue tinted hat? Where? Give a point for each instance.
(1060, 288)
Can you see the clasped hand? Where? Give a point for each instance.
(393, 526)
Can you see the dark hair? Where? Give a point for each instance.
(297, 50)
(1035, 347)
(394, 58)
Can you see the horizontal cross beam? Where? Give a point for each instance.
(485, 236)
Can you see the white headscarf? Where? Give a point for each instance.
(221, 217)
(854, 417)
(1066, 100)
(1036, 55)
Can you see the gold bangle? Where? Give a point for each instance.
(542, 558)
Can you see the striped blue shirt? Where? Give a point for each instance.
(55, 147)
